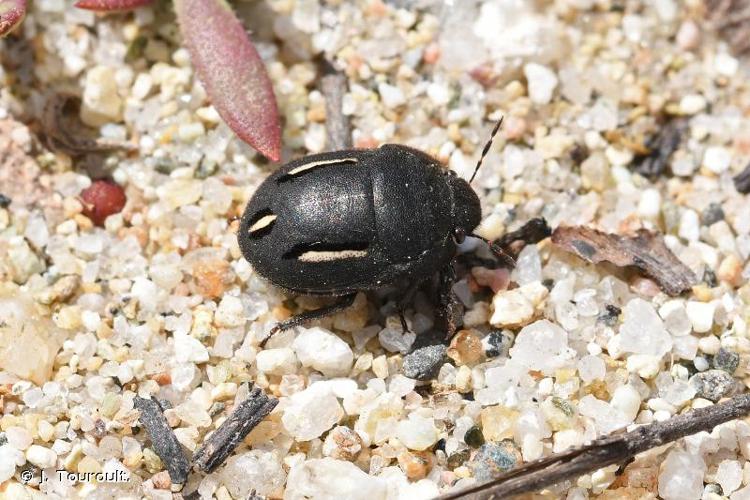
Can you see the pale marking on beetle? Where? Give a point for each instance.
(262, 223)
(331, 255)
(308, 166)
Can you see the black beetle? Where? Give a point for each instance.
(354, 220)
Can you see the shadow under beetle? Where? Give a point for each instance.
(346, 221)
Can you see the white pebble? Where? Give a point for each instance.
(189, 349)
(391, 96)
(230, 312)
(591, 368)
(690, 225)
(649, 205)
(417, 433)
(642, 330)
(400, 385)
(701, 315)
(323, 351)
(725, 64)
(542, 346)
(188, 132)
(9, 459)
(311, 412)
(645, 365)
(18, 437)
(280, 361)
(688, 36)
(691, 104)
(709, 345)
(717, 159)
(681, 476)
(41, 457)
(146, 292)
(701, 364)
(101, 102)
(541, 82)
(666, 10)
(729, 476)
(142, 86)
(627, 400)
(327, 478)
(518, 306)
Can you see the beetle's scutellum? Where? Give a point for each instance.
(353, 220)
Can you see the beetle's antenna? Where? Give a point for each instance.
(497, 251)
(487, 147)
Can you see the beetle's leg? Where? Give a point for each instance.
(341, 304)
(405, 300)
(450, 310)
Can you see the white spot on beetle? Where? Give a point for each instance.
(321, 163)
(331, 255)
(262, 223)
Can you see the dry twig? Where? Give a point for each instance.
(163, 439)
(65, 131)
(613, 449)
(338, 129)
(225, 439)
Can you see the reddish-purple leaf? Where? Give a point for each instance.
(112, 5)
(12, 13)
(232, 72)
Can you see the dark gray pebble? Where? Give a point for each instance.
(712, 214)
(726, 360)
(423, 363)
(713, 384)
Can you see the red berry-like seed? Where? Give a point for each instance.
(102, 199)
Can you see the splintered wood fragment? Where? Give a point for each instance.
(612, 449)
(225, 439)
(645, 251)
(333, 88)
(163, 439)
(65, 132)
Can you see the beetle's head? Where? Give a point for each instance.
(467, 212)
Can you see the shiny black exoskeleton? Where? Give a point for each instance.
(354, 220)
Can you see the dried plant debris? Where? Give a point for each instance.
(660, 147)
(163, 439)
(225, 439)
(65, 132)
(645, 251)
(731, 19)
(613, 449)
(742, 180)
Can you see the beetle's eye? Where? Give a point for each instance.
(459, 235)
